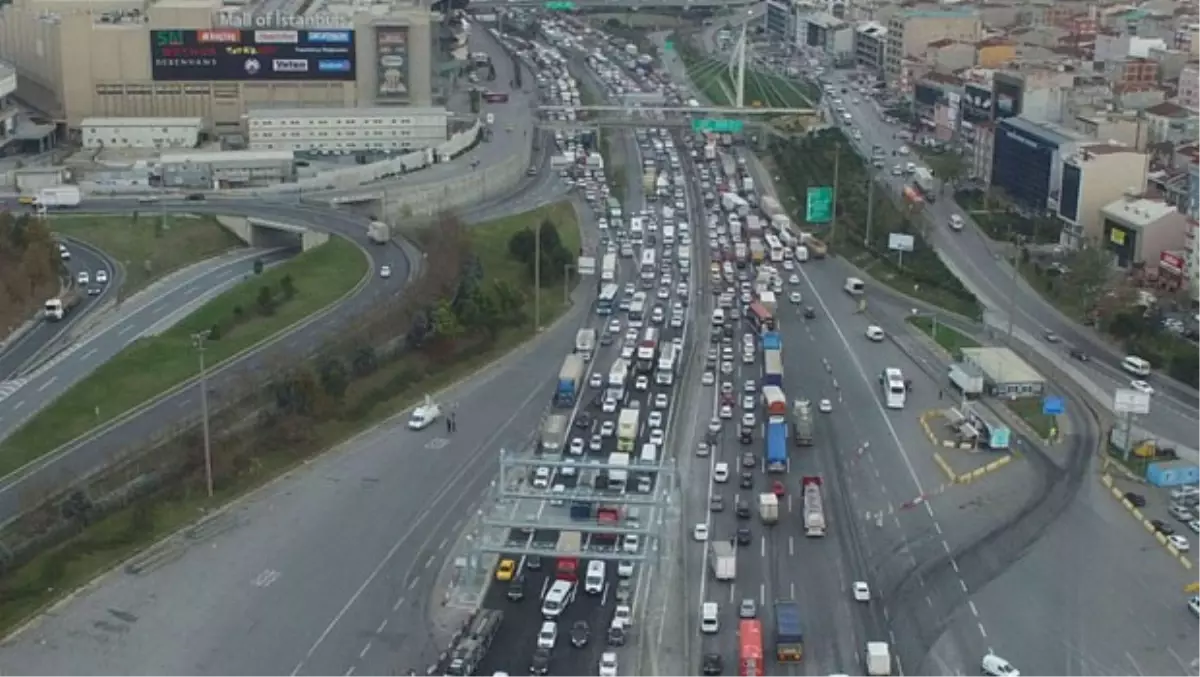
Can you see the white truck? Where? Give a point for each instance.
(723, 560)
(814, 507)
(747, 184)
(879, 659)
(58, 197)
(768, 508)
(968, 382)
(554, 433)
(618, 476)
(378, 232)
(585, 343)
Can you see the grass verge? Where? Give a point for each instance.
(239, 318)
(947, 337)
(34, 586)
(1029, 409)
(147, 245)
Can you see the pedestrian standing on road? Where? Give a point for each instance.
(449, 425)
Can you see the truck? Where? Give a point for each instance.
(771, 340)
(729, 168)
(379, 232)
(618, 476)
(789, 635)
(747, 184)
(570, 379)
(781, 224)
(618, 377)
(581, 511)
(585, 343)
(627, 429)
(777, 456)
(802, 423)
(754, 226)
(57, 308)
(879, 659)
(770, 206)
(769, 301)
(648, 179)
(814, 506)
(554, 433)
(758, 253)
(772, 368)
(723, 560)
(923, 181)
(566, 568)
(58, 197)
(774, 402)
(710, 151)
(816, 248)
(968, 382)
(768, 508)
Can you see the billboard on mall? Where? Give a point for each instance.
(392, 67)
(235, 55)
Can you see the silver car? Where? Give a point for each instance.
(748, 608)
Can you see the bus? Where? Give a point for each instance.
(618, 378)
(774, 247)
(627, 429)
(649, 267)
(606, 302)
(665, 375)
(636, 229)
(894, 389)
(637, 310)
(750, 648)
(760, 318)
(647, 350)
(608, 267)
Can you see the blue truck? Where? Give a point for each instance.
(581, 511)
(570, 380)
(789, 636)
(772, 341)
(772, 368)
(777, 456)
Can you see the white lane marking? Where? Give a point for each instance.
(266, 578)
(1127, 655)
(954, 564)
(365, 649)
(88, 354)
(18, 405)
(413, 583)
(47, 384)
(382, 625)
(396, 606)
(125, 330)
(962, 584)
(974, 611)
(349, 672)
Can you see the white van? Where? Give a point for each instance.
(956, 222)
(854, 286)
(718, 317)
(1135, 365)
(593, 582)
(801, 253)
(709, 623)
(557, 598)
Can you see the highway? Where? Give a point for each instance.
(19, 356)
(88, 454)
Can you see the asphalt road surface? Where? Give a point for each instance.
(74, 363)
(23, 353)
(973, 259)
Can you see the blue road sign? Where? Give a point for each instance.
(1053, 405)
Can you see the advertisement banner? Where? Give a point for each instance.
(1008, 99)
(976, 103)
(391, 44)
(227, 54)
(1171, 261)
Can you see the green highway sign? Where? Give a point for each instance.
(717, 126)
(560, 5)
(819, 207)
(668, 45)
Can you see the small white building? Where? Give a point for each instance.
(226, 169)
(335, 131)
(153, 133)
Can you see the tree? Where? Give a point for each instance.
(258, 266)
(521, 245)
(334, 377)
(288, 286)
(265, 301)
(1089, 271)
(548, 233)
(445, 323)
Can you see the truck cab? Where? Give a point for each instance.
(424, 415)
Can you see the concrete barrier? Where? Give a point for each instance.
(1107, 480)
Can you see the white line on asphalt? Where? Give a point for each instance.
(47, 384)
(364, 651)
(974, 611)
(732, 592)
(928, 509)
(1127, 655)
(937, 527)
(962, 584)
(946, 546)
(445, 542)
(954, 564)
(18, 405)
(382, 625)
(762, 594)
(928, 601)
(350, 671)
(762, 548)
(981, 630)
(88, 354)
(125, 330)
(399, 602)
(429, 562)
(791, 546)
(413, 583)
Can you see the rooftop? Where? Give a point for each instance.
(211, 157)
(142, 122)
(937, 13)
(1167, 109)
(1001, 365)
(1108, 149)
(1041, 131)
(1138, 212)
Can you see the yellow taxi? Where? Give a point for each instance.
(505, 570)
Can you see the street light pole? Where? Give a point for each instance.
(1012, 296)
(198, 341)
(537, 277)
(567, 268)
(870, 205)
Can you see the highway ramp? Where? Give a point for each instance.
(22, 353)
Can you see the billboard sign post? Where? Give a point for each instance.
(819, 205)
(1130, 401)
(392, 76)
(900, 243)
(234, 55)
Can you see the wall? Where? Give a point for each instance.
(1105, 178)
(995, 56)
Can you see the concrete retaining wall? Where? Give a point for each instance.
(467, 189)
(253, 232)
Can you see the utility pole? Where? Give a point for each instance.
(567, 268)
(537, 277)
(837, 157)
(1012, 296)
(198, 340)
(870, 207)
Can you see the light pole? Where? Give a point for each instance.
(198, 341)
(567, 268)
(537, 278)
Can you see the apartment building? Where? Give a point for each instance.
(1094, 176)
(870, 40)
(910, 32)
(1188, 89)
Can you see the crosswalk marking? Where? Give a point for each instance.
(7, 388)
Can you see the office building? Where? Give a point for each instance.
(197, 58)
(1189, 86)
(870, 40)
(1005, 374)
(1093, 177)
(831, 35)
(910, 31)
(1027, 162)
(145, 133)
(8, 108)
(358, 130)
(1138, 230)
(780, 21)
(229, 169)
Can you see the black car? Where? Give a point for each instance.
(1079, 355)
(1162, 527)
(744, 537)
(581, 633)
(746, 435)
(533, 563)
(747, 480)
(606, 339)
(809, 313)
(540, 664)
(712, 664)
(743, 510)
(195, 197)
(616, 635)
(516, 591)
(583, 420)
(1137, 500)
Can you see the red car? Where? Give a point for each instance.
(777, 488)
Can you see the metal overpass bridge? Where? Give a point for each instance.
(772, 121)
(593, 5)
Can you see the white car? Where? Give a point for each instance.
(875, 333)
(663, 293)
(608, 428)
(795, 297)
(577, 446)
(708, 378)
(657, 437)
(101, 277)
(596, 381)
(655, 420)
(548, 636)
(748, 357)
(608, 664)
(995, 666)
(714, 426)
(726, 367)
(700, 532)
(596, 443)
(1141, 386)
(83, 278)
(385, 272)
(748, 402)
(825, 406)
(631, 543)
(794, 279)
(903, 150)
(788, 264)
(623, 614)
(614, 326)
(721, 473)
(661, 401)
(609, 406)
(1179, 542)
(627, 351)
(748, 419)
(424, 415)
(725, 412)
(625, 568)
(642, 383)
(862, 592)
